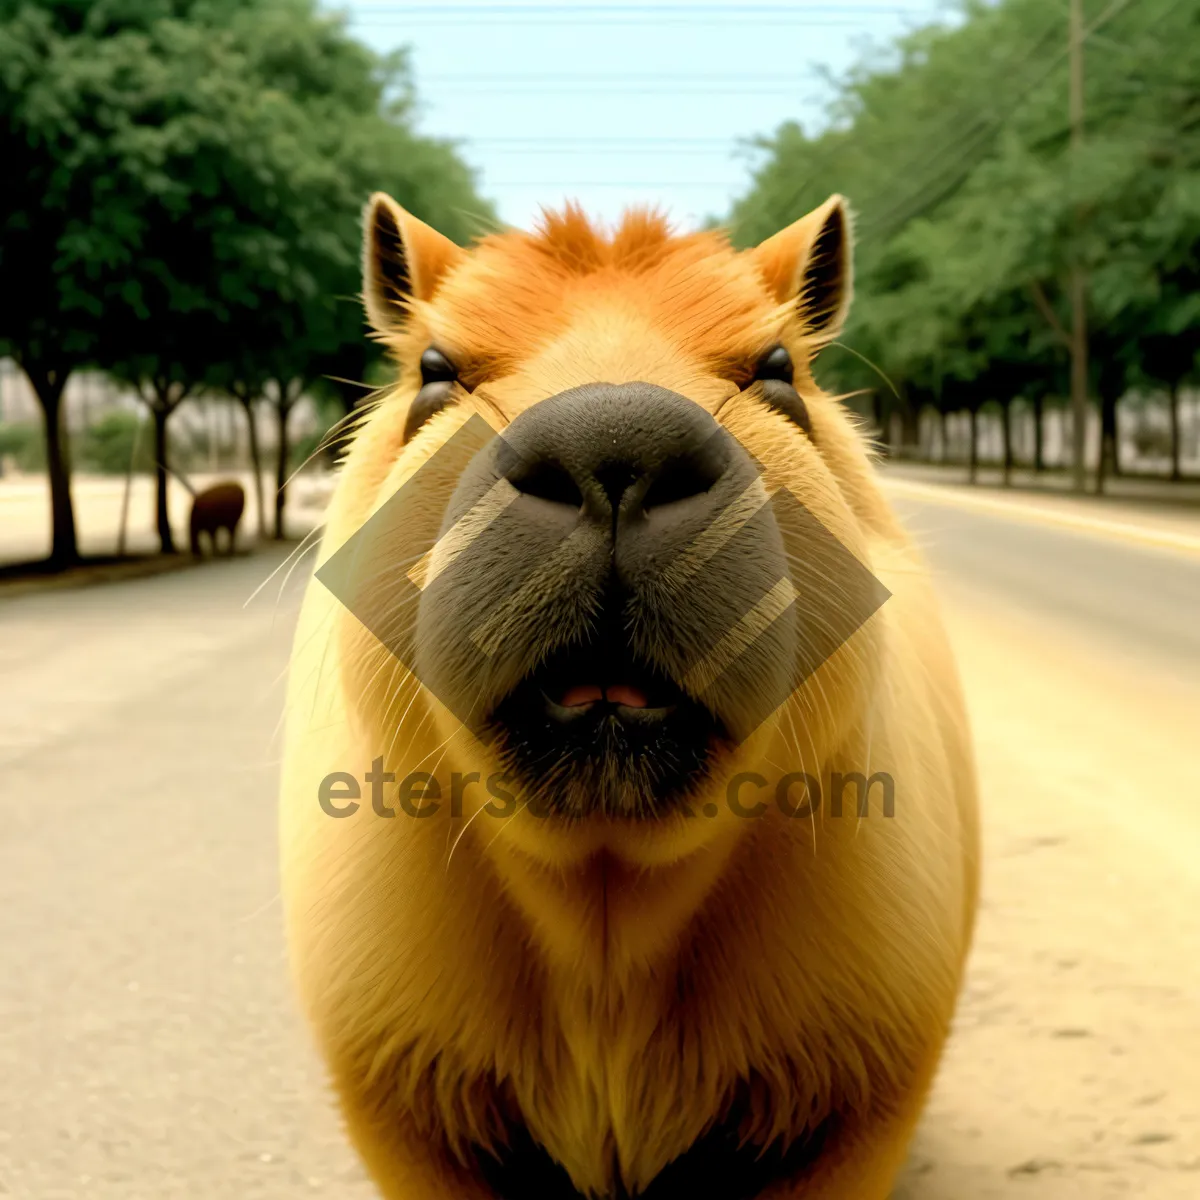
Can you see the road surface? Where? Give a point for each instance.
(1074, 1070)
(149, 1046)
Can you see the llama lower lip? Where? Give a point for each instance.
(596, 729)
(624, 695)
(567, 714)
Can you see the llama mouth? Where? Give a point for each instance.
(596, 729)
(580, 684)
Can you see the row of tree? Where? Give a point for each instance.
(979, 201)
(185, 185)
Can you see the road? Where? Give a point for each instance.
(1074, 1070)
(149, 1046)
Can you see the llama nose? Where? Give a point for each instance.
(617, 452)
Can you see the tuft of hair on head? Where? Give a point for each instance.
(808, 265)
(639, 242)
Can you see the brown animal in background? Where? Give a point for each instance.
(218, 507)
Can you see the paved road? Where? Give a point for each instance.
(148, 1044)
(149, 1049)
(1139, 602)
(1074, 1070)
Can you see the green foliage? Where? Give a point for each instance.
(192, 178)
(110, 443)
(953, 147)
(25, 444)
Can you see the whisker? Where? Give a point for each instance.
(304, 545)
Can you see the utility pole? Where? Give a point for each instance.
(1078, 284)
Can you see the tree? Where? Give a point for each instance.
(54, 66)
(192, 177)
(139, 138)
(953, 147)
(1170, 359)
(357, 112)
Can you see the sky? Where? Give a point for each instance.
(619, 103)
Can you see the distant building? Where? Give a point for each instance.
(92, 394)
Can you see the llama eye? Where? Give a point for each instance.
(436, 367)
(438, 377)
(775, 372)
(775, 364)
(427, 403)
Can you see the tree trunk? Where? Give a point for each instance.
(1039, 460)
(910, 430)
(1174, 412)
(973, 449)
(49, 384)
(287, 393)
(161, 413)
(1118, 467)
(1108, 439)
(1006, 432)
(943, 449)
(283, 411)
(247, 402)
(133, 449)
(882, 424)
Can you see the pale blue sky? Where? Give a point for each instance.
(618, 103)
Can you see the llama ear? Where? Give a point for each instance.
(403, 260)
(810, 262)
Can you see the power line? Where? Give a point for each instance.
(634, 151)
(959, 136)
(658, 23)
(751, 10)
(707, 16)
(965, 139)
(575, 78)
(650, 88)
(642, 12)
(931, 191)
(938, 184)
(930, 198)
(736, 140)
(654, 184)
(725, 149)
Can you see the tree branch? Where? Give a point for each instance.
(243, 394)
(185, 390)
(1044, 307)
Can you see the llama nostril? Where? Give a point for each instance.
(613, 454)
(547, 480)
(681, 479)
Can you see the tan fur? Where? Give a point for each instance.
(611, 983)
